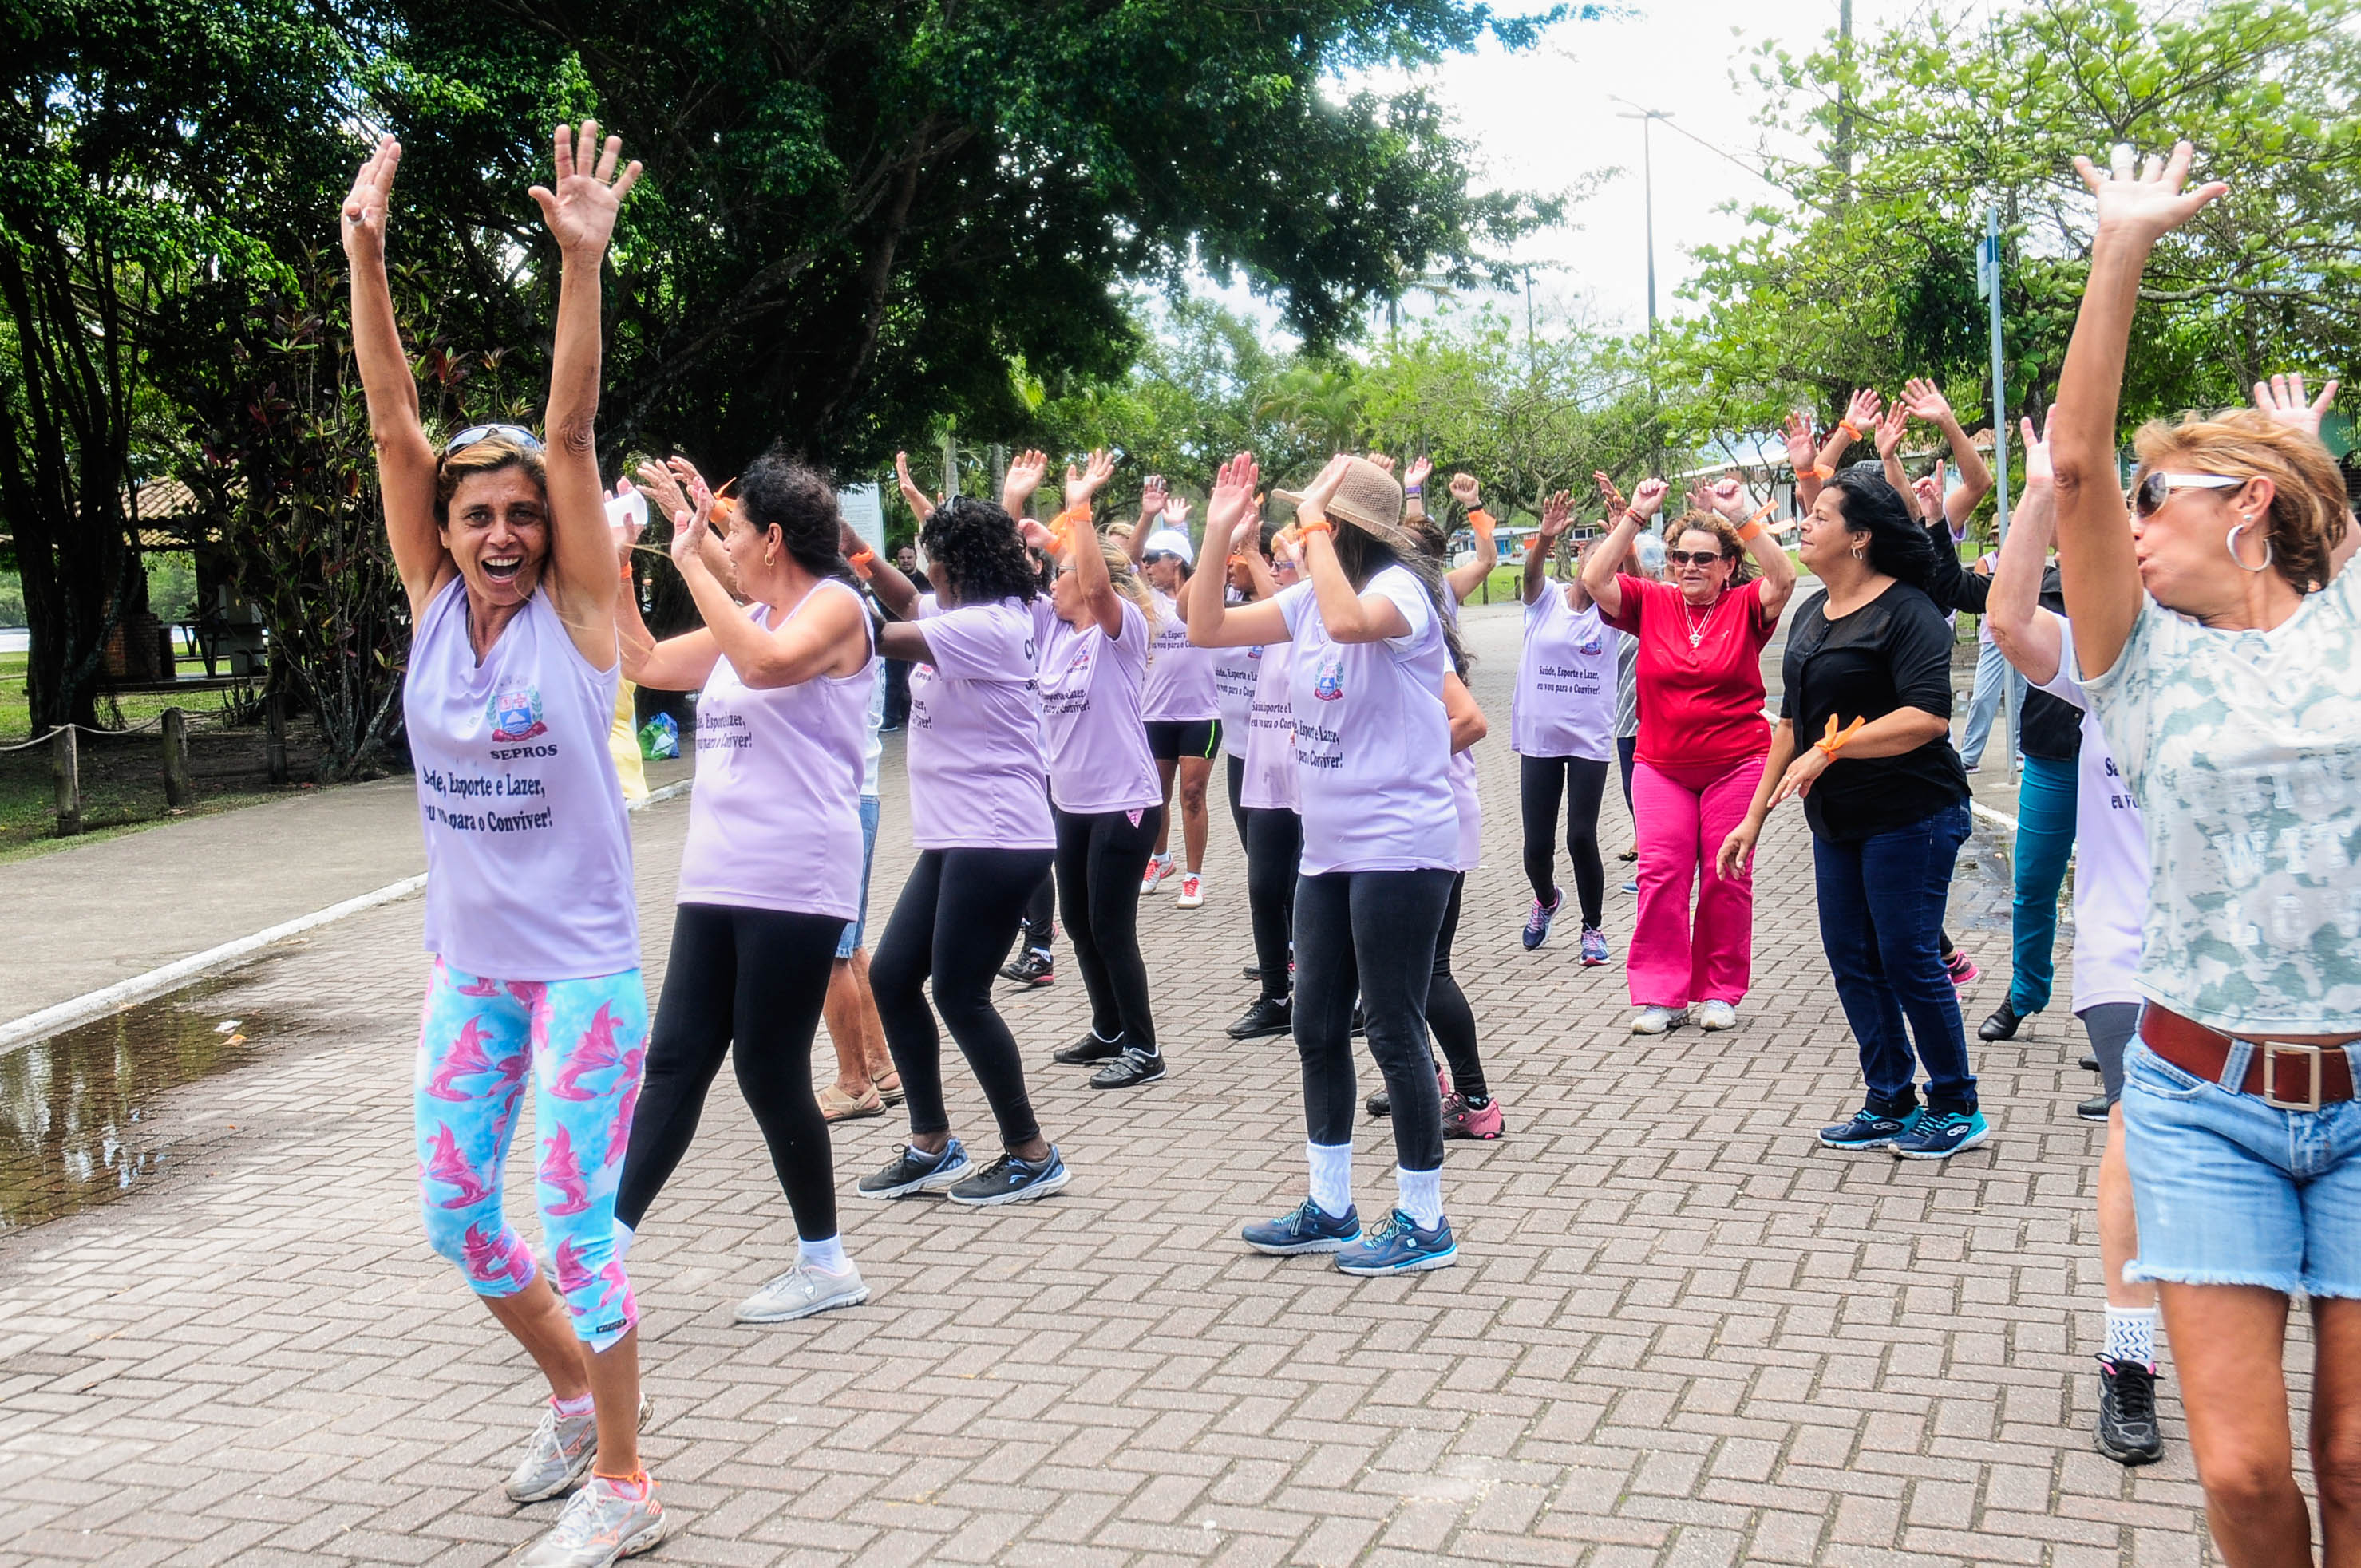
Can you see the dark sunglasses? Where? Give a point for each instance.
(1159, 555)
(1691, 557)
(2157, 488)
(514, 434)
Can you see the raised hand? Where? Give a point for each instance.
(662, 488)
(1557, 516)
(1414, 477)
(1038, 537)
(1889, 431)
(364, 206)
(581, 211)
(1233, 499)
(1466, 491)
(1153, 496)
(912, 497)
(1649, 498)
(1025, 472)
(1382, 461)
(1088, 480)
(1175, 512)
(1323, 489)
(1863, 410)
(1727, 498)
(1803, 446)
(2141, 206)
(1929, 491)
(2037, 468)
(2282, 397)
(1616, 504)
(1926, 401)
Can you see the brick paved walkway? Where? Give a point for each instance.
(1681, 1332)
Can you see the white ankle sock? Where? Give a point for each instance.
(1332, 1177)
(623, 1233)
(826, 1256)
(2131, 1336)
(572, 1409)
(1418, 1194)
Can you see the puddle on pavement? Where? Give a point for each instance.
(76, 1110)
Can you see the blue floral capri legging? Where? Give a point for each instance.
(585, 1042)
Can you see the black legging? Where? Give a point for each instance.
(1274, 846)
(1370, 933)
(1041, 914)
(1627, 751)
(1101, 855)
(1237, 771)
(955, 917)
(1447, 1013)
(748, 982)
(1541, 780)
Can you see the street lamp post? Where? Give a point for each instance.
(1648, 201)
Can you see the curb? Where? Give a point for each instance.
(95, 1004)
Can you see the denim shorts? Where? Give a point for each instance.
(858, 927)
(2230, 1191)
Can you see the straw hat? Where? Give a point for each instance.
(1370, 499)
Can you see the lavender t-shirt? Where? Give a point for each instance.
(978, 771)
(1099, 759)
(1268, 783)
(1180, 673)
(1372, 745)
(1234, 674)
(1566, 680)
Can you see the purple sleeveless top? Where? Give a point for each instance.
(774, 821)
(528, 846)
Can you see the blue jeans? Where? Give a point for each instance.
(2045, 837)
(1991, 667)
(1880, 909)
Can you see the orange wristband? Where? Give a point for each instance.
(1317, 525)
(1753, 528)
(1822, 471)
(1849, 428)
(1481, 520)
(1832, 743)
(859, 561)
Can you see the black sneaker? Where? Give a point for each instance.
(2001, 1024)
(2094, 1109)
(1360, 1024)
(1268, 1015)
(1252, 971)
(1088, 1048)
(913, 1170)
(1129, 1070)
(2127, 1430)
(1012, 1181)
(1381, 1104)
(1032, 967)
(2090, 1063)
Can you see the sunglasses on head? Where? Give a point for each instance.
(2149, 496)
(516, 435)
(1691, 557)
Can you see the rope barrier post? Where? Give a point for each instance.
(66, 775)
(176, 758)
(274, 736)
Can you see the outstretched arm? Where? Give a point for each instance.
(580, 213)
(1557, 516)
(1078, 541)
(1926, 402)
(2095, 545)
(1728, 501)
(2023, 631)
(1212, 623)
(405, 461)
(1599, 578)
(1152, 499)
(1466, 580)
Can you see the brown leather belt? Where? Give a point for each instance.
(2284, 1075)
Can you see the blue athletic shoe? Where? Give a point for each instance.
(1870, 1130)
(1939, 1135)
(1537, 924)
(1012, 1181)
(1309, 1229)
(1398, 1246)
(913, 1170)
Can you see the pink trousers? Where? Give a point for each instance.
(1683, 814)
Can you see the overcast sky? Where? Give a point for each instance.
(1544, 118)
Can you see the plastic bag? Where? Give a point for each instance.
(659, 738)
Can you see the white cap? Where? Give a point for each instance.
(1172, 541)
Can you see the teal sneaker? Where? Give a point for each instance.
(1398, 1246)
(1309, 1228)
(1871, 1129)
(1939, 1135)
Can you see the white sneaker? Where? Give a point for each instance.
(1158, 867)
(1192, 891)
(559, 1452)
(1657, 1020)
(1717, 1015)
(802, 1291)
(598, 1526)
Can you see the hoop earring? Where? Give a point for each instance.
(2233, 543)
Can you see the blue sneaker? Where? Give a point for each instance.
(1939, 1135)
(1594, 947)
(1012, 1181)
(1398, 1246)
(1309, 1229)
(1870, 1130)
(913, 1170)
(1537, 924)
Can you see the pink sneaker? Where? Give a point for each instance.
(1962, 969)
(1460, 1121)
